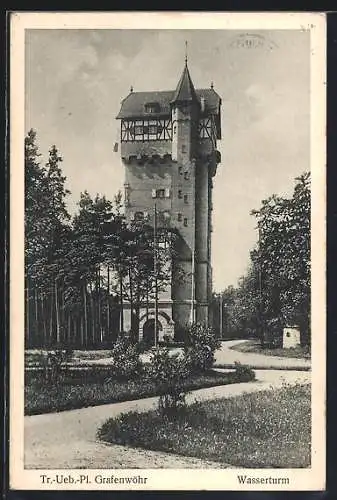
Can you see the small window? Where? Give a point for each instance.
(152, 107)
(183, 148)
(185, 198)
(161, 193)
(180, 194)
(180, 170)
(186, 176)
(185, 222)
(180, 217)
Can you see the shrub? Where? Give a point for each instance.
(200, 346)
(54, 364)
(243, 373)
(125, 358)
(168, 373)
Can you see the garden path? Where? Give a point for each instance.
(68, 439)
(228, 356)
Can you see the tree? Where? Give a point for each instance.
(90, 259)
(283, 256)
(46, 220)
(276, 288)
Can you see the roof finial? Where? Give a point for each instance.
(212, 85)
(131, 89)
(185, 52)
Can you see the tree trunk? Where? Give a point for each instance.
(74, 321)
(62, 314)
(82, 335)
(43, 312)
(27, 315)
(108, 304)
(37, 333)
(131, 301)
(51, 325)
(147, 304)
(69, 329)
(85, 315)
(99, 304)
(121, 304)
(92, 315)
(57, 311)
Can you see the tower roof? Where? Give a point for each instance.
(185, 90)
(134, 105)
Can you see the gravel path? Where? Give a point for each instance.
(68, 439)
(226, 355)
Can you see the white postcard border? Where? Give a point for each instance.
(169, 479)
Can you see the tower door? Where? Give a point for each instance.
(149, 330)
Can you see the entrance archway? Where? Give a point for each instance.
(148, 331)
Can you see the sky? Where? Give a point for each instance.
(75, 81)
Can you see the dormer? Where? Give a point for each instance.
(152, 107)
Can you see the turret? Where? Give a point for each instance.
(185, 107)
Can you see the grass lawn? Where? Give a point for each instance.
(255, 346)
(90, 387)
(270, 429)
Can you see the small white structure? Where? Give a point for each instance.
(291, 337)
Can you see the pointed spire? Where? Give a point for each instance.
(185, 90)
(185, 52)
